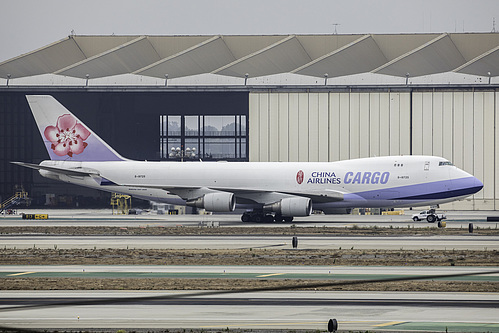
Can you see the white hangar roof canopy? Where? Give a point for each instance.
(311, 55)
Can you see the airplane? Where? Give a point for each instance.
(269, 191)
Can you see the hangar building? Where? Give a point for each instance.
(262, 98)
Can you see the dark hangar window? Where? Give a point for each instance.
(206, 137)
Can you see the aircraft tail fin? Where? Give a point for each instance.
(65, 137)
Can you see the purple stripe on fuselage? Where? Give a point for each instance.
(426, 191)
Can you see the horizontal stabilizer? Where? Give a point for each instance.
(70, 172)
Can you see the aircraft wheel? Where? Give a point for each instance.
(431, 218)
(288, 219)
(258, 218)
(278, 218)
(268, 218)
(415, 219)
(245, 217)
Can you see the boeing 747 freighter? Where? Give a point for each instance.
(269, 191)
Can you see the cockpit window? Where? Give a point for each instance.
(445, 163)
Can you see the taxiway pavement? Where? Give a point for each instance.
(246, 272)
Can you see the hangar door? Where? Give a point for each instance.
(327, 126)
(330, 126)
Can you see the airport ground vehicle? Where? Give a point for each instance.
(429, 215)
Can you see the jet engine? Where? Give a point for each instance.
(292, 207)
(215, 202)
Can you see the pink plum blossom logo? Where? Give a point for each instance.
(67, 136)
(299, 177)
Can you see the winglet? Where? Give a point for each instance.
(65, 136)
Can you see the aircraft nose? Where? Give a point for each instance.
(467, 183)
(477, 184)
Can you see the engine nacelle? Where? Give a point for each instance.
(215, 202)
(292, 207)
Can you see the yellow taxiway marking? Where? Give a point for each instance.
(390, 323)
(274, 274)
(16, 274)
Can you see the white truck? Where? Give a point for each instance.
(429, 215)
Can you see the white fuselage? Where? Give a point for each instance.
(400, 181)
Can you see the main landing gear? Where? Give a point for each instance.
(263, 217)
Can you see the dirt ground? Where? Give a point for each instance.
(295, 257)
(20, 283)
(292, 230)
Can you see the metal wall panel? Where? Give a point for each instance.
(293, 127)
(417, 123)
(323, 124)
(447, 126)
(254, 127)
(264, 128)
(303, 133)
(468, 134)
(313, 127)
(496, 151)
(374, 125)
(283, 127)
(477, 156)
(437, 124)
(489, 168)
(344, 126)
(458, 129)
(354, 125)
(427, 125)
(394, 125)
(274, 128)
(384, 124)
(364, 121)
(405, 123)
(334, 127)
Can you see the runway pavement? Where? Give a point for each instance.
(104, 217)
(464, 242)
(268, 310)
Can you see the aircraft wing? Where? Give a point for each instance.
(70, 172)
(320, 196)
(253, 195)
